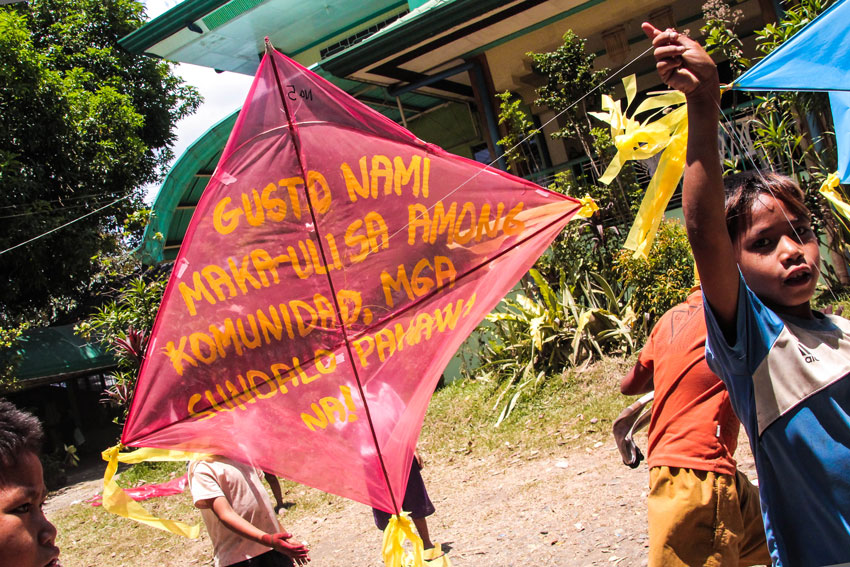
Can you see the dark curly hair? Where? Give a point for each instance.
(19, 431)
(742, 189)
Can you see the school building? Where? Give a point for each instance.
(433, 66)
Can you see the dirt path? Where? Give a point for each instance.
(579, 506)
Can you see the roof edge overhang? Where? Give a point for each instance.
(28, 383)
(414, 29)
(170, 193)
(167, 24)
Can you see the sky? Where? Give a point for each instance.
(223, 93)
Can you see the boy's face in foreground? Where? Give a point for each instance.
(26, 536)
(779, 257)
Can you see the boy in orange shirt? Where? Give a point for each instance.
(701, 509)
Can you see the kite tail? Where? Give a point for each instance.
(118, 502)
(398, 529)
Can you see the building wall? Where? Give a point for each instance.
(510, 66)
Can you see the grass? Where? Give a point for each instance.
(461, 416)
(574, 409)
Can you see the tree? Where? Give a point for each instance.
(570, 75)
(123, 325)
(85, 124)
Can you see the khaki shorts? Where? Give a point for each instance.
(704, 518)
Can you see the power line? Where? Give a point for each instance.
(64, 225)
(51, 211)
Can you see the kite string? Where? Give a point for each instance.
(527, 138)
(64, 225)
(346, 342)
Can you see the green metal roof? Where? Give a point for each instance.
(228, 35)
(429, 19)
(55, 354)
(179, 194)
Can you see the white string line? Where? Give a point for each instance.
(64, 225)
(69, 208)
(515, 146)
(59, 200)
(729, 127)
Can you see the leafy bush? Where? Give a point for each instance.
(661, 281)
(537, 334)
(123, 325)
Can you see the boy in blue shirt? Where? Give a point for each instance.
(784, 365)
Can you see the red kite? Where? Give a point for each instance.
(332, 268)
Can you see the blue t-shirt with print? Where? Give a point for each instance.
(787, 381)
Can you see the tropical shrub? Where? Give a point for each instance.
(123, 325)
(536, 333)
(662, 280)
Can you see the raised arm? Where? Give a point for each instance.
(684, 65)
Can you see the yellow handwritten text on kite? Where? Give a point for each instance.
(264, 326)
(258, 268)
(636, 140)
(393, 174)
(330, 410)
(420, 282)
(256, 208)
(258, 385)
(461, 226)
(387, 342)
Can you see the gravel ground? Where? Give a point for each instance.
(578, 506)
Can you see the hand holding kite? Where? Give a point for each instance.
(682, 63)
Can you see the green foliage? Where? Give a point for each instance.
(794, 19)
(8, 358)
(85, 123)
(123, 325)
(535, 335)
(519, 126)
(569, 76)
(719, 33)
(585, 244)
(662, 280)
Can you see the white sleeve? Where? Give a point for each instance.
(203, 482)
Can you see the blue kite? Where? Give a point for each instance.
(817, 58)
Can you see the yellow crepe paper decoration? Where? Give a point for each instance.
(829, 190)
(636, 140)
(116, 501)
(588, 207)
(398, 529)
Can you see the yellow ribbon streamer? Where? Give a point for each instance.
(398, 529)
(116, 501)
(588, 207)
(636, 140)
(829, 190)
(671, 167)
